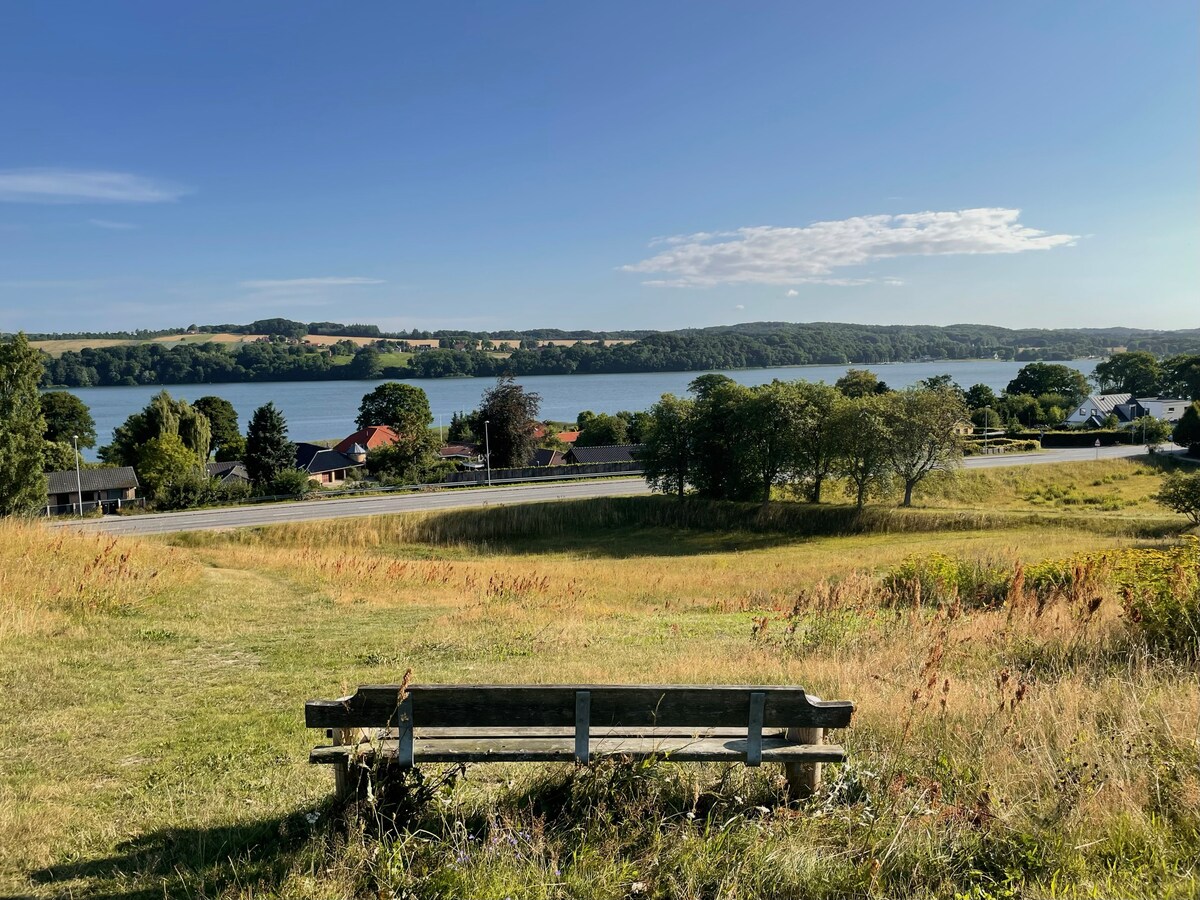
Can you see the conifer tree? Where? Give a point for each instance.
(22, 446)
(269, 453)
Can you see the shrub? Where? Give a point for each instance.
(939, 578)
(289, 483)
(1160, 590)
(1181, 493)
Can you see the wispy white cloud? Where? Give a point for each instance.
(84, 186)
(288, 284)
(740, 306)
(768, 254)
(792, 292)
(111, 225)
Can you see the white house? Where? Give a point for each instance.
(1168, 408)
(1097, 407)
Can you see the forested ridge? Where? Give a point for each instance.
(749, 345)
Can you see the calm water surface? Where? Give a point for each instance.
(316, 410)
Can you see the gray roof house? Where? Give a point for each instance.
(1097, 407)
(324, 465)
(613, 453)
(106, 488)
(231, 472)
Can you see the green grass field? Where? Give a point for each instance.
(1034, 745)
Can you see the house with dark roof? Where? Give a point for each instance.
(323, 464)
(543, 457)
(233, 472)
(466, 455)
(107, 489)
(613, 453)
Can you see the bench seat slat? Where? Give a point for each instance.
(562, 749)
(463, 705)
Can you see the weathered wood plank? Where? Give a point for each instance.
(754, 735)
(562, 749)
(583, 726)
(552, 731)
(554, 705)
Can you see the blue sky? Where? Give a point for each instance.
(615, 165)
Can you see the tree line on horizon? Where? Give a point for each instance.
(690, 350)
(726, 442)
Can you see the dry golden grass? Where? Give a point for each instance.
(1035, 748)
(50, 579)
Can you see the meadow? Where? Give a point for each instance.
(1024, 670)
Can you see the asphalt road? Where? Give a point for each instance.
(312, 510)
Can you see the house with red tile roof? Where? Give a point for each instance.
(370, 438)
(568, 437)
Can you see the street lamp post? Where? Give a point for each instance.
(78, 479)
(487, 448)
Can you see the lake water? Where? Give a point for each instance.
(317, 410)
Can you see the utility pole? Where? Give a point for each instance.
(78, 479)
(487, 447)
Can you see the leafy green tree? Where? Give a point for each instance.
(979, 396)
(1181, 375)
(67, 417)
(813, 436)
(603, 430)
(860, 383)
(162, 416)
(667, 457)
(227, 441)
(1181, 493)
(59, 457)
(1049, 378)
(767, 451)
(460, 429)
(944, 382)
(1136, 372)
(166, 462)
(1022, 409)
(269, 453)
(860, 426)
(635, 425)
(1150, 430)
(401, 407)
(1187, 429)
(22, 447)
(985, 418)
(367, 364)
(506, 419)
(716, 471)
(922, 435)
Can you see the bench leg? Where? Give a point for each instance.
(803, 779)
(345, 786)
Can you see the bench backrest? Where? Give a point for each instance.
(559, 705)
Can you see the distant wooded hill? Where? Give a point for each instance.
(368, 352)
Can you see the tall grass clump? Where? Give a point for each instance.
(51, 576)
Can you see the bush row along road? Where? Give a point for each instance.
(311, 510)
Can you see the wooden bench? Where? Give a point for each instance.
(387, 725)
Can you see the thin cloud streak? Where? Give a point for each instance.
(287, 284)
(773, 255)
(84, 186)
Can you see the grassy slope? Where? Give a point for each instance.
(154, 743)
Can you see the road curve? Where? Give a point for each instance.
(461, 498)
(312, 510)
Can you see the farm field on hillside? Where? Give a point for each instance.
(1020, 730)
